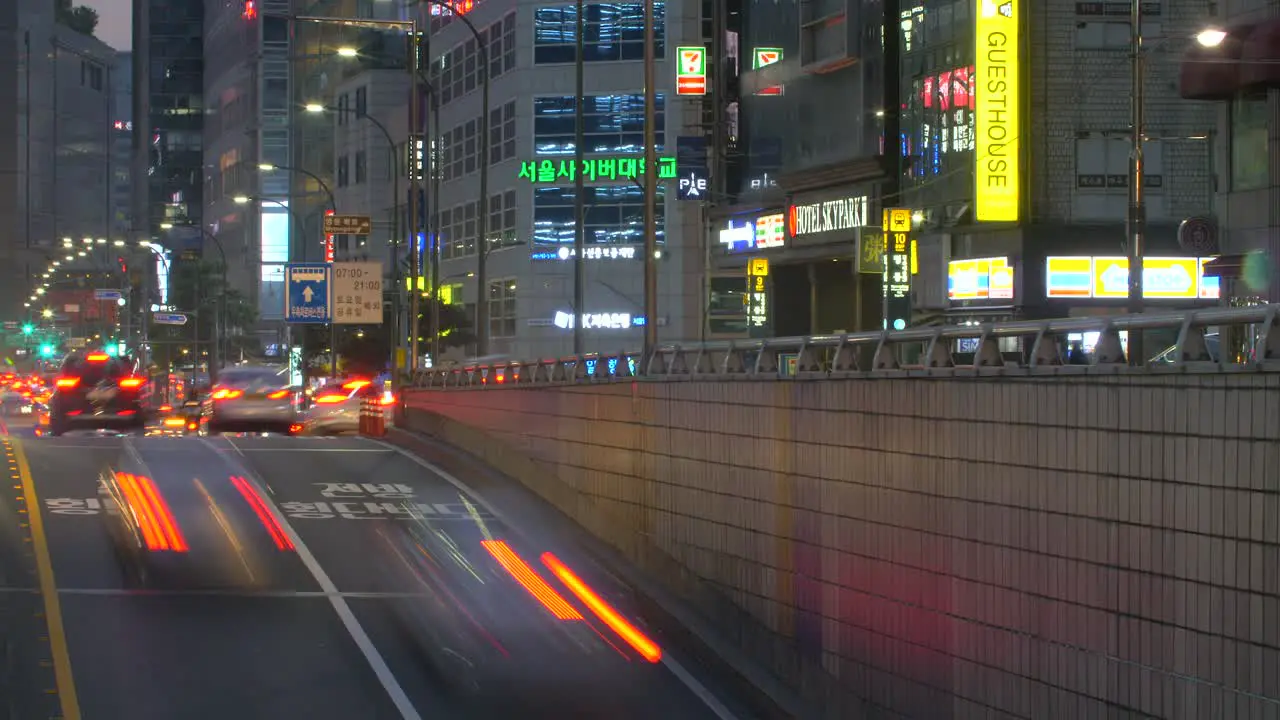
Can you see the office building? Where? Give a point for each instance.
(1231, 76)
(122, 147)
(54, 178)
(530, 204)
(246, 95)
(168, 120)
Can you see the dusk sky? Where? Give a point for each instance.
(113, 27)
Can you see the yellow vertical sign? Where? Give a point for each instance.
(997, 96)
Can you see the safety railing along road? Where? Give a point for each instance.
(1012, 348)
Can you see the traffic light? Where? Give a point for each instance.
(28, 329)
(124, 267)
(46, 351)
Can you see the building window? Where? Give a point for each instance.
(343, 171)
(458, 231)
(614, 215)
(1249, 142)
(502, 133)
(362, 102)
(502, 308)
(613, 124)
(344, 106)
(361, 167)
(1102, 178)
(613, 31)
(458, 71)
(502, 220)
(91, 75)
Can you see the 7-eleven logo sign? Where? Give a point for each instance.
(691, 71)
(763, 57)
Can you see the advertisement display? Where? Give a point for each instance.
(997, 98)
(897, 225)
(1107, 278)
(761, 233)
(980, 279)
(691, 70)
(757, 298)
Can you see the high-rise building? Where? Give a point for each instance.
(246, 90)
(122, 147)
(529, 213)
(56, 95)
(168, 120)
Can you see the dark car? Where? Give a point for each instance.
(97, 391)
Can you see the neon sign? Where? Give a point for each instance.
(625, 167)
(997, 148)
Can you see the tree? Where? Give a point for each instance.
(456, 328)
(80, 18)
(196, 287)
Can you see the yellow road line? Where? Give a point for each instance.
(48, 590)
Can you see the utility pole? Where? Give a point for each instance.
(579, 190)
(418, 153)
(1137, 216)
(891, 187)
(650, 192)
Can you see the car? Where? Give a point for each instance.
(97, 391)
(251, 398)
(335, 408)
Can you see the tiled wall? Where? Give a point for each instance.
(1048, 548)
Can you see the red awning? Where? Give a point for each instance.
(1213, 73)
(1260, 59)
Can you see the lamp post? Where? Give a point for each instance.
(395, 193)
(579, 187)
(482, 230)
(650, 191)
(333, 205)
(220, 324)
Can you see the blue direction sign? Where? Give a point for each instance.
(306, 292)
(107, 294)
(169, 318)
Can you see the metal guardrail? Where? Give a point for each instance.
(1011, 348)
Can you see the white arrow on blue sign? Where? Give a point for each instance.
(169, 318)
(107, 294)
(307, 287)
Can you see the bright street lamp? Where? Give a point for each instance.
(240, 199)
(266, 167)
(347, 52)
(314, 108)
(166, 226)
(1211, 37)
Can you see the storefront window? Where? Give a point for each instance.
(1249, 142)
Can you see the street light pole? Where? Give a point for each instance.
(1136, 218)
(650, 191)
(579, 190)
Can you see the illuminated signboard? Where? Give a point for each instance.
(1107, 278)
(594, 252)
(691, 71)
(829, 216)
(250, 10)
(757, 297)
(599, 321)
(896, 224)
(997, 147)
(328, 240)
(764, 57)
(454, 7)
(980, 279)
(125, 125)
(624, 167)
(762, 233)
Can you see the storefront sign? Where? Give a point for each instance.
(691, 71)
(760, 233)
(1107, 278)
(757, 297)
(896, 224)
(998, 97)
(871, 251)
(839, 215)
(694, 184)
(594, 252)
(599, 321)
(618, 167)
(980, 279)
(764, 57)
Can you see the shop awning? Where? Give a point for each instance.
(1226, 266)
(1213, 73)
(1260, 58)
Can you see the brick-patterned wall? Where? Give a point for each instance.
(1048, 548)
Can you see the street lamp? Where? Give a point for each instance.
(347, 52)
(1211, 37)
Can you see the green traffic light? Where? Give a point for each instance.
(46, 351)
(28, 329)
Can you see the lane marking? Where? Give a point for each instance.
(243, 451)
(707, 697)
(340, 606)
(67, 698)
(268, 594)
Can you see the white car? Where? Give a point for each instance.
(335, 407)
(251, 398)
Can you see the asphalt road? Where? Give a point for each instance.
(324, 578)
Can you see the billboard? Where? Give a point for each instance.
(997, 99)
(1107, 278)
(980, 279)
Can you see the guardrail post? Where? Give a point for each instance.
(988, 354)
(766, 360)
(1109, 350)
(1045, 349)
(886, 357)
(939, 353)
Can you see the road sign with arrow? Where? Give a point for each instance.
(307, 292)
(169, 318)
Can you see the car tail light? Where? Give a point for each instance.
(174, 422)
(166, 408)
(132, 383)
(388, 399)
(278, 395)
(225, 394)
(356, 384)
(330, 399)
(66, 383)
(97, 357)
